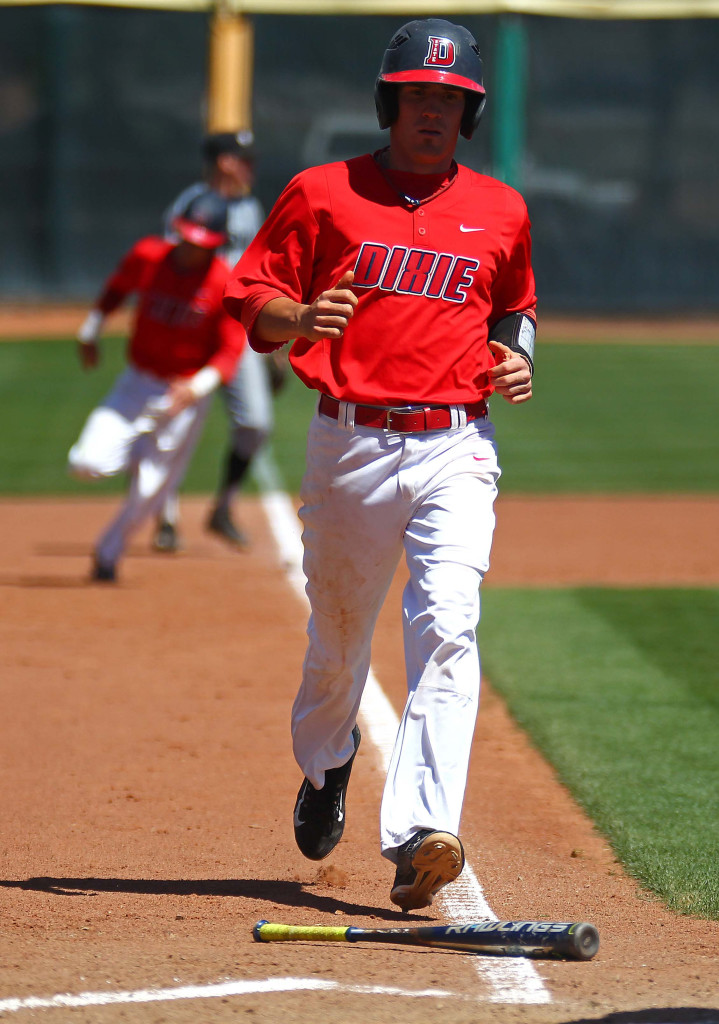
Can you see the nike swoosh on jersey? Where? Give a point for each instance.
(463, 228)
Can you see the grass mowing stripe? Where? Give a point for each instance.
(630, 727)
(611, 418)
(590, 427)
(676, 630)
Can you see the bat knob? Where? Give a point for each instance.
(256, 931)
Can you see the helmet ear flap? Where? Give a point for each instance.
(385, 101)
(473, 107)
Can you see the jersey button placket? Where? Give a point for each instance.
(420, 222)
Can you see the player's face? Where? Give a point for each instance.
(191, 258)
(236, 175)
(424, 136)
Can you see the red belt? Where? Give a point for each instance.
(404, 419)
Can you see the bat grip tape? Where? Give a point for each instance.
(265, 931)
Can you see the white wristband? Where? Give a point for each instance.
(205, 381)
(91, 327)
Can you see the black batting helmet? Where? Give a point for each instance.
(431, 50)
(204, 221)
(241, 143)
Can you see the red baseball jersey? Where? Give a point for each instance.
(180, 324)
(431, 279)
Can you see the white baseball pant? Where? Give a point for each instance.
(366, 495)
(128, 433)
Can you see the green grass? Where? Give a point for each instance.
(44, 400)
(604, 418)
(608, 417)
(618, 689)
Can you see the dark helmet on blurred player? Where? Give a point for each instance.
(431, 50)
(241, 143)
(204, 221)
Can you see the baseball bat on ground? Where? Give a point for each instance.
(574, 940)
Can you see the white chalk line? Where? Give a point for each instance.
(510, 980)
(221, 990)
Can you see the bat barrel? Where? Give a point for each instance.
(577, 940)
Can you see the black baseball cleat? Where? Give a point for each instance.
(320, 813)
(425, 863)
(166, 538)
(102, 573)
(219, 522)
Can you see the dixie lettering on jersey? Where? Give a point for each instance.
(178, 311)
(414, 271)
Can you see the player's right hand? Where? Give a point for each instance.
(332, 310)
(87, 335)
(88, 354)
(179, 396)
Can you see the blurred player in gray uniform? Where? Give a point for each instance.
(229, 169)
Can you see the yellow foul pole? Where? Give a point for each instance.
(229, 101)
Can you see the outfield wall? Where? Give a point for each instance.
(102, 110)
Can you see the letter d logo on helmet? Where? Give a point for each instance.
(431, 50)
(440, 53)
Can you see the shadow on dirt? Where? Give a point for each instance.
(657, 1015)
(291, 894)
(193, 549)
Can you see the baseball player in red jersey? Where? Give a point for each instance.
(183, 345)
(406, 281)
(229, 159)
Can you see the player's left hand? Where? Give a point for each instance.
(510, 375)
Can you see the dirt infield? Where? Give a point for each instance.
(148, 787)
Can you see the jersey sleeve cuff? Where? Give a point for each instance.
(246, 310)
(205, 381)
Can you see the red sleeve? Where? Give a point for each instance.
(514, 288)
(231, 342)
(278, 262)
(124, 279)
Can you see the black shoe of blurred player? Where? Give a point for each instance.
(166, 538)
(425, 863)
(102, 573)
(221, 524)
(320, 813)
